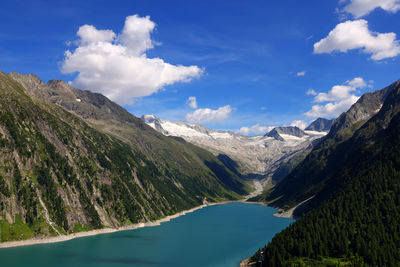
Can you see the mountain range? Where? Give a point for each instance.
(254, 156)
(72, 160)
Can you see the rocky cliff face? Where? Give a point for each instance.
(368, 105)
(71, 160)
(320, 125)
(275, 134)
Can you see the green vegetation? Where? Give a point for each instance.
(81, 228)
(15, 231)
(61, 173)
(329, 262)
(355, 213)
(20, 230)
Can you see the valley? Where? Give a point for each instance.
(249, 156)
(200, 133)
(132, 175)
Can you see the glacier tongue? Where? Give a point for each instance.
(254, 154)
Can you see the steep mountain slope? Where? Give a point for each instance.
(312, 174)
(260, 155)
(320, 125)
(355, 210)
(108, 117)
(60, 175)
(274, 134)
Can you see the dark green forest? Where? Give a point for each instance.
(353, 220)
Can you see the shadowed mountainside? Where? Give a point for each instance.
(353, 179)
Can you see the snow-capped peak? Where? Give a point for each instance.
(255, 154)
(148, 118)
(155, 123)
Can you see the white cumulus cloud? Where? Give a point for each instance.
(192, 102)
(340, 92)
(301, 74)
(136, 34)
(332, 109)
(359, 8)
(204, 115)
(256, 129)
(311, 92)
(89, 34)
(299, 123)
(117, 66)
(351, 35)
(339, 99)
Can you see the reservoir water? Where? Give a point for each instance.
(220, 235)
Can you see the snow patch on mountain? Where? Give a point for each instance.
(254, 154)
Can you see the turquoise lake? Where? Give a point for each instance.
(220, 235)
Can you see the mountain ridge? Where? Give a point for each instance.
(352, 177)
(342, 129)
(62, 171)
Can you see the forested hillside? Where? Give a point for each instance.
(59, 174)
(354, 214)
(328, 156)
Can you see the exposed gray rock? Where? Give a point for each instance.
(368, 105)
(290, 130)
(320, 125)
(255, 155)
(274, 133)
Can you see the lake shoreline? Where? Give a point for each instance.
(207, 231)
(290, 212)
(108, 230)
(63, 238)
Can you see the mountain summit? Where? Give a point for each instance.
(277, 132)
(320, 125)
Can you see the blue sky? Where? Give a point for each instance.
(247, 63)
